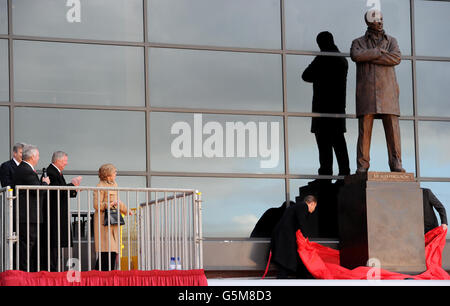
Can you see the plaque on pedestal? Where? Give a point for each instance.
(381, 218)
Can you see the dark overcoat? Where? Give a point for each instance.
(329, 77)
(284, 241)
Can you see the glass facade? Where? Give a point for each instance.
(208, 94)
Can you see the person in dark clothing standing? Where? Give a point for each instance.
(429, 202)
(329, 77)
(8, 168)
(31, 218)
(54, 171)
(284, 242)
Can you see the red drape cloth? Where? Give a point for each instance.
(323, 262)
(111, 278)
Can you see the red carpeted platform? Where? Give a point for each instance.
(112, 278)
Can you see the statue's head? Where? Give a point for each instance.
(374, 20)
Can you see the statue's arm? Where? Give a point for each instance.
(391, 57)
(360, 54)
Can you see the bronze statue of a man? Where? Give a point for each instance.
(377, 93)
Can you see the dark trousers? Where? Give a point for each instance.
(105, 261)
(326, 143)
(392, 133)
(28, 247)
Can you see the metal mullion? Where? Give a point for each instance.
(215, 111)
(414, 88)
(213, 48)
(219, 175)
(81, 106)
(11, 75)
(147, 93)
(77, 41)
(285, 105)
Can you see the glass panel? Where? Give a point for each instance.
(432, 27)
(3, 17)
(4, 134)
(232, 23)
(215, 80)
(432, 88)
(345, 20)
(434, 157)
(300, 93)
(304, 155)
(442, 191)
(90, 138)
(4, 71)
(216, 143)
(122, 181)
(231, 206)
(63, 73)
(94, 19)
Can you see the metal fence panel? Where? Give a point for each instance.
(162, 229)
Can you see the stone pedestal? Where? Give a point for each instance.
(381, 217)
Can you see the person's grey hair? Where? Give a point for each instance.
(18, 146)
(58, 155)
(310, 198)
(29, 151)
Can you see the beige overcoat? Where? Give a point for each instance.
(110, 234)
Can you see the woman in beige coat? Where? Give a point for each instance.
(107, 242)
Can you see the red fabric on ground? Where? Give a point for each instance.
(112, 278)
(323, 262)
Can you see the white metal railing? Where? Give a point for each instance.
(165, 224)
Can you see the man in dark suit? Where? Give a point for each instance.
(329, 77)
(30, 210)
(8, 168)
(284, 241)
(54, 171)
(429, 202)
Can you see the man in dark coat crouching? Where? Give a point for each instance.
(284, 242)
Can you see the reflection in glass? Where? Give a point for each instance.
(304, 19)
(328, 75)
(63, 73)
(432, 88)
(232, 23)
(4, 69)
(213, 143)
(432, 27)
(299, 93)
(434, 157)
(3, 17)
(4, 134)
(303, 154)
(120, 20)
(442, 191)
(215, 80)
(90, 138)
(231, 206)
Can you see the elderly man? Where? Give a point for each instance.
(8, 168)
(377, 93)
(30, 210)
(54, 171)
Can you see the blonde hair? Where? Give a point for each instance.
(105, 171)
